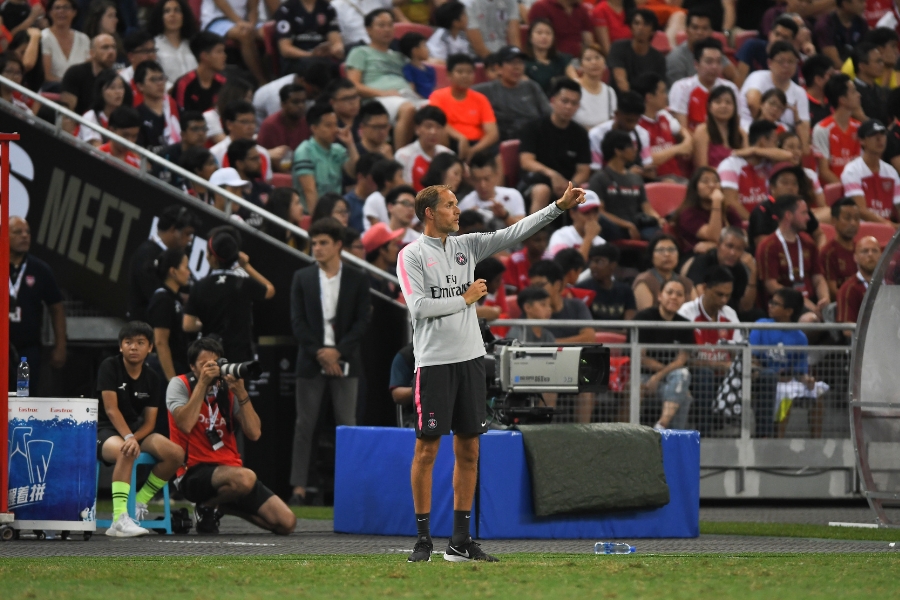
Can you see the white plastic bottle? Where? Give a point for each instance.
(23, 375)
(613, 548)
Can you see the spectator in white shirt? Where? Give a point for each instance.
(387, 174)
(401, 206)
(430, 124)
(172, 23)
(450, 36)
(500, 206)
(584, 231)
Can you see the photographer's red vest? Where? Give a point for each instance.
(196, 446)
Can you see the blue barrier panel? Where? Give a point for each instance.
(372, 492)
(505, 508)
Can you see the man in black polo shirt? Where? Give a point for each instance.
(130, 396)
(731, 253)
(198, 89)
(31, 286)
(222, 302)
(555, 150)
(78, 81)
(306, 29)
(174, 229)
(244, 156)
(193, 135)
(614, 300)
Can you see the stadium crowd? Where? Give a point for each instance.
(741, 160)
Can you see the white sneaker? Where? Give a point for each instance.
(126, 527)
(141, 512)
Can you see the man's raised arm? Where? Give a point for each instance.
(488, 244)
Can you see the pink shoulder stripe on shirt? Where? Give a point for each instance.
(404, 276)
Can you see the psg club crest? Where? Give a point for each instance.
(461, 258)
(29, 280)
(432, 422)
(320, 19)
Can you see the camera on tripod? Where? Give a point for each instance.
(246, 370)
(517, 375)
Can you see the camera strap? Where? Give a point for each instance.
(222, 400)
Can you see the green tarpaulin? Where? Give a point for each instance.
(600, 467)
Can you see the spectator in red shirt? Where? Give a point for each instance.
(610, 25)
(789, 258)
(836, 257)
(834, 139)
(288, 126)
(850, 296)
(668, 141)
(703, 214)
(871, 181)
(125, 122)
(519, 262)
(571, 22)
(746, 172)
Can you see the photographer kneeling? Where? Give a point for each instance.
(202, 415)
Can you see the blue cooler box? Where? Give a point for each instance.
(53, 463)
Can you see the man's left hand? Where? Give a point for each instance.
(328, 356)
(235, 385)
(571, 198)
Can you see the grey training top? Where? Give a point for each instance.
(433, 278)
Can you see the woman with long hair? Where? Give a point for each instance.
(703, 214)
(598, 99)
(332, 205)
(110, 92)
(813, 192)
(26, 46)
(11, 68)
(663, 251)
(721, 134)
(285, 204)
(164, 312)
(172, 24)
(103, 17)
(543, 63)
(447, 169)
(62, 46)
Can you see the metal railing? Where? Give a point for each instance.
(758, 411)
(143, 173)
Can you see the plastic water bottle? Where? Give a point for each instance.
(613, 548)
(23, 375)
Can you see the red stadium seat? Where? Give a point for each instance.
(403, 28)
(608, 337)
(512, 307)
(268, 34)
(828, 231)
(305, 222)
(509, 154)
(881, 232)
(743, 36)
(833, 191)
(195, 8)
(282, 180)
(480, 73)
(631, 244)
(664, 196)
(661, 42)
(442, 80)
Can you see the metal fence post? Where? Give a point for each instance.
(634, 391)
(746, 383)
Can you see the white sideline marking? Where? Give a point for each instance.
(223, 543)
(862, 525)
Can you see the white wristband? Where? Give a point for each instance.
(129, 436)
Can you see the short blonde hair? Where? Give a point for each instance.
(429, 198)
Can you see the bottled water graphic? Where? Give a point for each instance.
(613, 548)
(23, 375)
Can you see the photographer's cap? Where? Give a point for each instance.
(591, 201)
(870, 128)
(227, 176)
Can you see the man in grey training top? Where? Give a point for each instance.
(437, 277)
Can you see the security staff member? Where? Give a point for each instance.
(31, 286)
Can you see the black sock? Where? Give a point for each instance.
(461, 524)
(423, 525)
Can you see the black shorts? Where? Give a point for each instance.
(106, 431)
(451, 397)
(197, 487)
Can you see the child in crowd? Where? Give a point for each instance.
(125, 122)
(450, 36)
(414, 46)
(534, 302)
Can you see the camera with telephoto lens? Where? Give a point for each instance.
(244, 370)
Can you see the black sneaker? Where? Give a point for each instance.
(422, 551)
(468, 550)
(207, 520)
